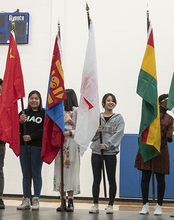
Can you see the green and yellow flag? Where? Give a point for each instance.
(149, 139)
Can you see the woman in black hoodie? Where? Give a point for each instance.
(34, 119)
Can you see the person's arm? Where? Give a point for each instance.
(169, 134)
(72, 132)
(164, 141)
(97, 134)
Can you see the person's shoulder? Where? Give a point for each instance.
(118, 116)
(169, 117)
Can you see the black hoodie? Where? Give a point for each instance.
(34, 127)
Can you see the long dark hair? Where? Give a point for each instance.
(71, 100)
(1, 81)
(39, 95)
(106, 96)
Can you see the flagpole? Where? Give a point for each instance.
(148, 21)
(25, 132)
(103, 168)
(61, 152)
(87, 10)
(153, 180)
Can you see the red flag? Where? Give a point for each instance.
(53, 133)
(12, 90)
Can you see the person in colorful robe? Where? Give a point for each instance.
(71, 155)
(160, 162)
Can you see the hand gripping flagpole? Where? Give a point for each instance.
(103, 168)
(153, 181)
(25, 132)
(61, 157)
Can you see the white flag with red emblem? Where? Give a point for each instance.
(88, 112)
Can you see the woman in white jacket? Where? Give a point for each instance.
(112, 128)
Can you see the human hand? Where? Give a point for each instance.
(66, 133)
(22, 118)
(99, 128)
(27, 138)
(102, 146)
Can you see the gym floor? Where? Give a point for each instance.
(47, 211)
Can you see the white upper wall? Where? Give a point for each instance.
(120, 34)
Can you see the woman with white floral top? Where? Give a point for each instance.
(71, 155)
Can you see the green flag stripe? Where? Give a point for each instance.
(147, 88)
(147, 151)
(170, 103)
(148, 115)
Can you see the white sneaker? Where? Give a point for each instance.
(25, 204)
(94, 209)
(172, 215)
(109, 209)
(158, 210)
(145, 209)
(35, 205)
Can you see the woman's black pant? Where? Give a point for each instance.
(146, 175)
(110, 163)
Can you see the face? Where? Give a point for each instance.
(164, 104)
(109, 103)
(34, 102)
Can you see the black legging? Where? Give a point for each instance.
(110, 163)
(146, 175)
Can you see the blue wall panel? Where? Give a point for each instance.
(130, 178)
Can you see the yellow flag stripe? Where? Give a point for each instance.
(59, 68)
(57, 90)
(154, 135)
(148, 64)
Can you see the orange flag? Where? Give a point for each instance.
(12, 90)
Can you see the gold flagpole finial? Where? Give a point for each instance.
(147, 11)
(13, 28)
(87, 7)
(58, 27)
(13, 24)
(58, 23)
(87, 10)
(148, 20)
